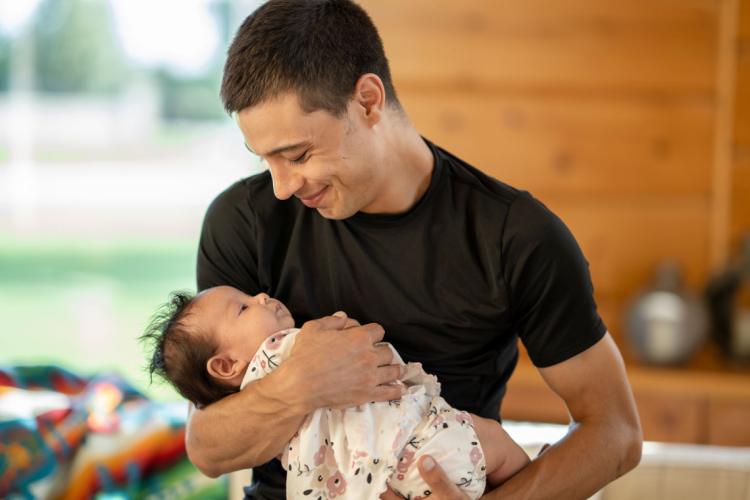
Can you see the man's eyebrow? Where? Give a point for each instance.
(281, 149)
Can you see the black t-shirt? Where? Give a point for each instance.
(473, 266)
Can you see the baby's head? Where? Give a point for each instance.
(203, 344)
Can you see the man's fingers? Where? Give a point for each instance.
(385, 355)
(372, 332)
(390, 373)
(325, 323)
(375, 331)
(385, 392)
(440, 486)
(351, 323)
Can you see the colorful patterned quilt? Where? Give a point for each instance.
(71, 437)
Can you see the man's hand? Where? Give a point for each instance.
(350, 322)
(604, 439)
(441, 487)
(334, 363)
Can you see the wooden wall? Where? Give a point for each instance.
(605, 110)
(740, 206)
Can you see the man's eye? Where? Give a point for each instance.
(299, 159)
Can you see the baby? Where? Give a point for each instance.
(215, 343)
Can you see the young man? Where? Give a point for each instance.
(359, 213)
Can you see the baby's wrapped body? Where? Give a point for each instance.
(355, 453)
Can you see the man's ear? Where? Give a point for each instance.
(369, 94)
(223, 367)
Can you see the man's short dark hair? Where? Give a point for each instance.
(316, 48)
(180, 352)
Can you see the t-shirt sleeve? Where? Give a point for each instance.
(549, 284)
(227, 251)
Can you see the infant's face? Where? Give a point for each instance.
(240, 322)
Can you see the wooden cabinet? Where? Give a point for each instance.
(684, 406)
(729, 422)
(671, 419)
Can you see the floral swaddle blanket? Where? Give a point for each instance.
(356, 452)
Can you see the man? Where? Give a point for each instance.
(359, 213)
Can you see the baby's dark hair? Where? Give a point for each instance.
(180, 352)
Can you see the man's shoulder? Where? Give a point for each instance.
(466, 176)
(253, 194)
(244, 189)
(521, 207)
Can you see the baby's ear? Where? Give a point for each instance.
(222, 366)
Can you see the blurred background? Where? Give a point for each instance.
(113, 141)
(629, 119)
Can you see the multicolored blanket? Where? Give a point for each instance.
(69, 437)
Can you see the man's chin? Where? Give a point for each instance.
(333, 214)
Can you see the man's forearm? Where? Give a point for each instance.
(328, 367)
(590, 456)
(243, 430)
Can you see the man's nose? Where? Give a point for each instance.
(285, 182)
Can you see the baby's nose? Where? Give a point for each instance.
(263, 298)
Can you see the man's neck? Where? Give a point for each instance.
(409, 164)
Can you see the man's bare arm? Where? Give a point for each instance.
(604, 440)
(327, 367)
(603, 443)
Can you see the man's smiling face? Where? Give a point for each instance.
(329, 163)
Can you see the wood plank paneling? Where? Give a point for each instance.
(742, 95)
(534, 403)
(721, 181)
(640, 45)
(529, 398)
(611, 312)
(744, 21)
(674, 405)
(671, 419)
(681, 418)
(574, 145)
(729, 423)
(740, 206)
(624, 239)
(740, 199)
(682, 383)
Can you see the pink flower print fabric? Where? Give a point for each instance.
(448, 436)
(269, 355)
(336, 485)
(475, 455)
(273, 343)
(356, 453)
